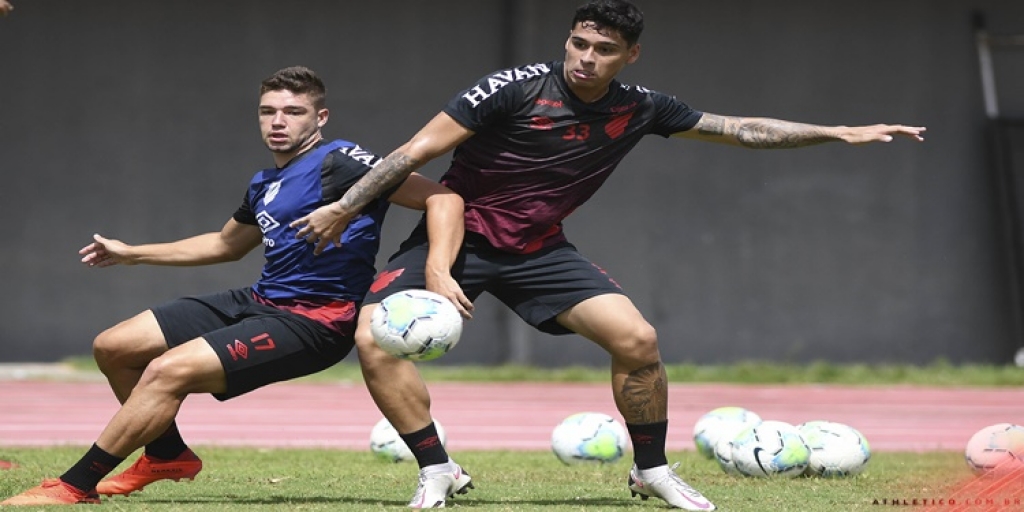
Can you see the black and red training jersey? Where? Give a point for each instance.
(539, 152)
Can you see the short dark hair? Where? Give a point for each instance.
(298, 80)
(619, 15)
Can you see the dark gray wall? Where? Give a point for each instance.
(137, 120)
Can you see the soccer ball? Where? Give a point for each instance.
(720, 422)
(387, 445)
(837, 449)
(723, 455)
(999, 446)
(416, 324)
(770, 449)
(588, 437)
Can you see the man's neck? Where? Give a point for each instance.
(588, 95)
(282, 159)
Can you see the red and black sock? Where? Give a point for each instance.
(648, 444)
(88, 472)
(168, 446)
(426, 446)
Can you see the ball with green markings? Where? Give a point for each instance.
(589, 437)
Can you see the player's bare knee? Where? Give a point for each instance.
(648, 342)
(167, 374)
(110, 350)
(102, 352)
(364, 339)
(371, 356)
(640, 348)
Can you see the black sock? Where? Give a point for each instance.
(88, 472)
(426, 446)
(168, 446)
(648, 444)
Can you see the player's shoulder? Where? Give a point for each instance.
(503, 79)
(641, 95)
(351, 152)
(520, 73)
(640, 91)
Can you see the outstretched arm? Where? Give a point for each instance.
(233, 242)
(325, 224)
(765, 133)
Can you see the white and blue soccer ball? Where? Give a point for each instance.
(998, 447)
(387, 445)
(770, 449)
(416, 324)
(723, 455)
(719, 422)
(589, 437)
(837, 449)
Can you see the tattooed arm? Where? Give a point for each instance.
(325, 225)
(765, 133)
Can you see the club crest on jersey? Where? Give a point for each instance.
(266, 222)
(482, 91)
(272, 191)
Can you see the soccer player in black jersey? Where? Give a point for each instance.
(531, 144)
(298, 318)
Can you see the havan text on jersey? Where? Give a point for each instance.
(360, 155)
(479, 93)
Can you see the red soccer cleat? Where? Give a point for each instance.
(53, 492)
(147, 470)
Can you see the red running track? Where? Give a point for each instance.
(517, 416)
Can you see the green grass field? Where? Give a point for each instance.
(307, 479)
(330, 479)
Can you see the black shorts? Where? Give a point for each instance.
(537, 286)
(257, 344)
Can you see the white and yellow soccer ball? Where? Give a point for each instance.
(723, 454)
(416, 324)
(770, 449)
(589, 437)
(998, 447)
(837, 449)
(387, 445)
(719, 422)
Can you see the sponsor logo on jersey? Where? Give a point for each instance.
(541, 123)
(360, 155)
(272, 191)
(266, 222)
(482, 91)
(550, 103)
(623, 108)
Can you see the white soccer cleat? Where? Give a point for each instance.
(663, 482)
(438, 483)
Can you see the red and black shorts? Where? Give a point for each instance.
(258, 344)
(538, 286)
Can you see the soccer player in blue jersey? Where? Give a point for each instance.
(531, 144)
(297, 319)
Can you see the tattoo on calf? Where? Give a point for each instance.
(645, 395)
